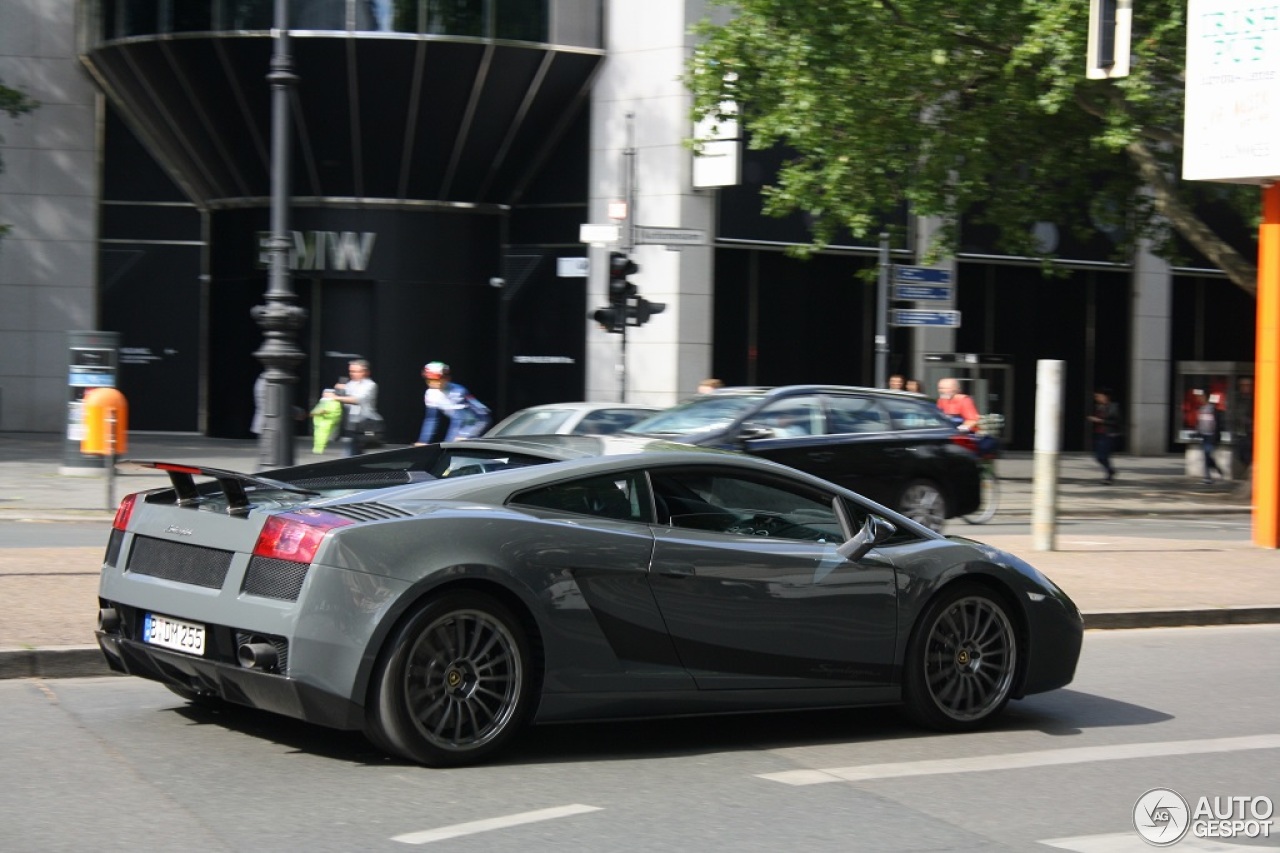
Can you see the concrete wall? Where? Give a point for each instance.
(648, 44)
(48, 194)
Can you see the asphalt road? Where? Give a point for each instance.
(120, 764)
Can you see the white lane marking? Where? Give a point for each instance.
(459, 829)
(1021, 760)
(1131, 842)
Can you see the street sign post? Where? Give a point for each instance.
(917, 317)
(670, 236)
(598, 235)
(572, 267)
(921, 275)
(922, 292)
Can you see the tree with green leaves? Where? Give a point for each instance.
(15, 104)
(966, 108)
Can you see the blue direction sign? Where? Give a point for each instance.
(933, 292)
(921, 275)
(919, 317)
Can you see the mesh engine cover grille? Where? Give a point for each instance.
(176, 561)
(273, 578)
(367, 511)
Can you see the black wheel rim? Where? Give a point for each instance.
(924, 504)
(970, 658)
(463, 680)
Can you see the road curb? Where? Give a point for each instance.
(1190, 617)
(59, 662)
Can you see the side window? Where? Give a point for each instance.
(795, 416)
(915, 414)
(619, 498)
(608, 421)
(729, 502)
(855, 414)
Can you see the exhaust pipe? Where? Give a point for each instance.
(258, 656)
(109, 620)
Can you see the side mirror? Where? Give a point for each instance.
(750, 432)
(874, 531)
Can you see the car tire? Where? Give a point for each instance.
(962, 659)
(454, 685)
(923, 502)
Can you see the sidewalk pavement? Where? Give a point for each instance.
(1119, 579)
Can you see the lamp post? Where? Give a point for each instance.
(279, 317)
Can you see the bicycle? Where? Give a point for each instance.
(989, 484)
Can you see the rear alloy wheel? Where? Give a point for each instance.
(922, 502)
(961, 660)
(455, 685)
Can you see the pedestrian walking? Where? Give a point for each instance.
(361, 423)
(1106, 432)
(326, 420)
(1209, 431)
(467, 417)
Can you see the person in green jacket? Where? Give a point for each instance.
(326, 417)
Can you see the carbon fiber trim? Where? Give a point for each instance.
(112, 556)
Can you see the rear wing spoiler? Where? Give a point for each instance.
(232, 483)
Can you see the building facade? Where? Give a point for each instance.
(444, 156)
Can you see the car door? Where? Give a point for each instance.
(796, 433)
(596, 551)
(864, 453)
(753, 592)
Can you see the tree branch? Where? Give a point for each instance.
(1221, 254)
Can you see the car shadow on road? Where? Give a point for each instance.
(1059, 713)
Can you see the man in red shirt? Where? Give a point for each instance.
(959, 407)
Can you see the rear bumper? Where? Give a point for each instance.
(231, 682)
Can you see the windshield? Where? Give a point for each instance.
(537, 422)
(700, 414)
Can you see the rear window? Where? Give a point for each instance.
(849, 414)
(540, 422)
(915, 414)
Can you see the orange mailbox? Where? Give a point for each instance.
(106, 422)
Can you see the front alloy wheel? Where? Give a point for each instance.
(961, 661)
(455, 686)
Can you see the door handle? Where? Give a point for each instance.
(822, 455)
(677, 570)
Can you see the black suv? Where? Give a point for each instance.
(896, 448)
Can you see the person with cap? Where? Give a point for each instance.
(467, 416)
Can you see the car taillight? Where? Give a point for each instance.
(966, 440)
(296, 535)
(123, 512)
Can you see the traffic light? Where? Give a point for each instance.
(620, 290)
(611, 319)
(640, 313)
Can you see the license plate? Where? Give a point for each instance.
(173, 634)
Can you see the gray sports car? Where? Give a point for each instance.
(441, 598)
